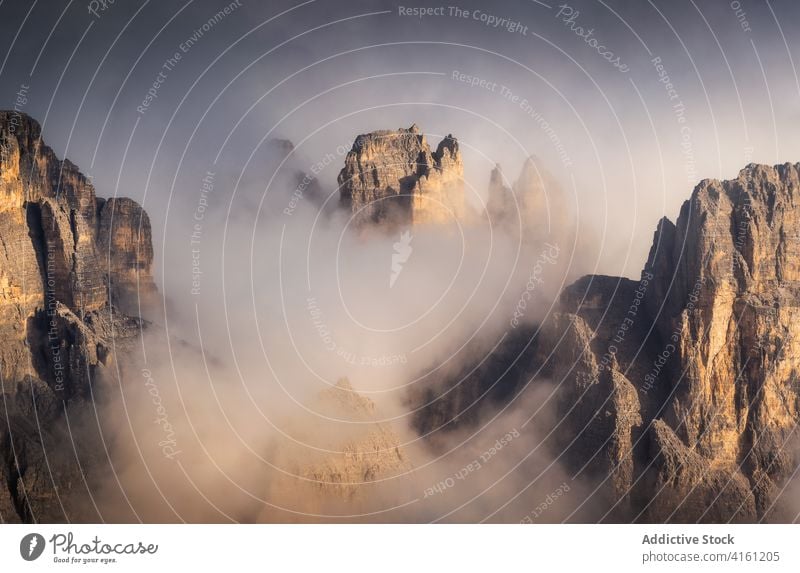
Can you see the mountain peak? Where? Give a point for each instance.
(393, 177)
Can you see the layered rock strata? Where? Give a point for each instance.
(695, 366)
(68, 263)
(679, 393)
(394, 177)
(343, 460)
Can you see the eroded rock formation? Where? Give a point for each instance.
(344, 458)
(687, 380)
(678, 394)
(68, 263)
(394, 177)
(534, 208)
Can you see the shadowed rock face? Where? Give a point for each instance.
(394, 177)
(67, 261)
(125, 252)
(533, 209)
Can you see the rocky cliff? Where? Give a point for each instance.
(393, 176)
(678, 395)
(683, 386)
(534, 208)
(69, 262)
(343, 459)
(368, 452)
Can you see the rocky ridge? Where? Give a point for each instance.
(686, 382)
(678, 394)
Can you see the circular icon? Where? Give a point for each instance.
(31, 546)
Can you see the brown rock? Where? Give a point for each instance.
(58, 324)
(686, 488)
(393, 176)
(360, 453)
(125, 250)
(716, 376)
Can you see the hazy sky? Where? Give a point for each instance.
(320, 72)
(628, 103)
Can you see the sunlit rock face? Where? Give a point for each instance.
(394, 177)
(733, 260)
(369, 451)
(685, 385)
(678, 394)
(68, 263)
(340, 461)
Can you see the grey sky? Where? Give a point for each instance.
(631, 154)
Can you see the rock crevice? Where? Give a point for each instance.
(711, 357)
(393, 177)
(70, 265)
